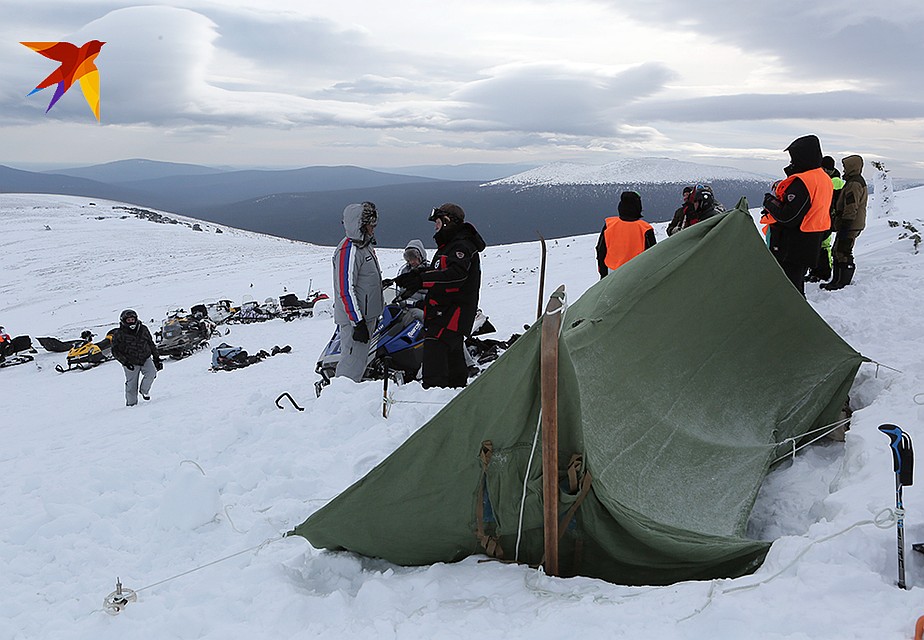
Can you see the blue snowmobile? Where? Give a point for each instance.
(395, 349)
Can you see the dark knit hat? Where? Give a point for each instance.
(827, 163)
(630, 204)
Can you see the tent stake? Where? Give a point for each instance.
(551, 326)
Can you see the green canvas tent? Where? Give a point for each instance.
(679, 375)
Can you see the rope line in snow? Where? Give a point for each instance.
(882, 520)
(116, 601)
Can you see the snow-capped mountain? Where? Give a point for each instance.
(184, 498)
(628, 171)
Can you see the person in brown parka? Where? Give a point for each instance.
(848, 221)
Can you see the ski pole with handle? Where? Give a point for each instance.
(903, 465)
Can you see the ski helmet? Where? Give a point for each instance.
(702, 193)
(453, 212)
(125, 315)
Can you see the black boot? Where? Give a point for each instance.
(844, 274)
(847, 270)
(834, 278)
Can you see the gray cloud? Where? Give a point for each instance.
(833, 105)
(554, 98)
(851, 39)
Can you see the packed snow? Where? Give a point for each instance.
(627, 171)
(185, 498)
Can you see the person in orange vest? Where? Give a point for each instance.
(623, 236)
(798, 211)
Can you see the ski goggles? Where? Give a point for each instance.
(130, 319)
(437, 213)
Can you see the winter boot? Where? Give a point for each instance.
(835, 283)
(847, 270)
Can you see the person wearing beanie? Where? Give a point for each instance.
(452, 282)
(358, 299)
(798, 211)
(134, 348)
(624, 236)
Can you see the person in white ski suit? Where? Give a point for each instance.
(358, 300)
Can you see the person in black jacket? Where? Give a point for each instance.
(134, 348)
(452, 282)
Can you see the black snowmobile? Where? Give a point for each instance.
(291, 307)
(12, 350)
(182, 334)
(88, 354)
(60, 346)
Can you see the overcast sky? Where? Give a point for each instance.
(282, 83)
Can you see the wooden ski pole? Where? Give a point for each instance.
(541, 275)
(551, 325)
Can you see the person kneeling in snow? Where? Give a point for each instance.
(134, 348)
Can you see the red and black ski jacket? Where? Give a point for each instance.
(453, 282)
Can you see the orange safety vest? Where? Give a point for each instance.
(624, 240)
(821, 191)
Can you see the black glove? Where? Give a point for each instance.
(130, 367)
(361, 332)
(772, 204)
(387, 282)
(158, 364)
(410, 281)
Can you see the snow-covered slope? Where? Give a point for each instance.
(93, 490)
(629, 171)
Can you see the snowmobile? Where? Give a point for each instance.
(219, 312)
(11, 350)
(88, 354)
(60, 346)
(249, 312)
(395, 349)
(181, 334)
(291, 307)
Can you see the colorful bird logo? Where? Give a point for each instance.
(76, 64)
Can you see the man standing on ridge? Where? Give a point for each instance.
(358, 300)
(798, 212)
(849, 220)
(623, 236)
(452, 281)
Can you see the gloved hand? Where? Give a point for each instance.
(410, 281)
(158, 364)
(387, 282)
(361, 332)
(772, 204)
(130, 367)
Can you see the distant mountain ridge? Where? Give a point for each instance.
(133, 170)
(630, 170)
(558, 200)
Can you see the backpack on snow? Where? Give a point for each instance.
(224, 356)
